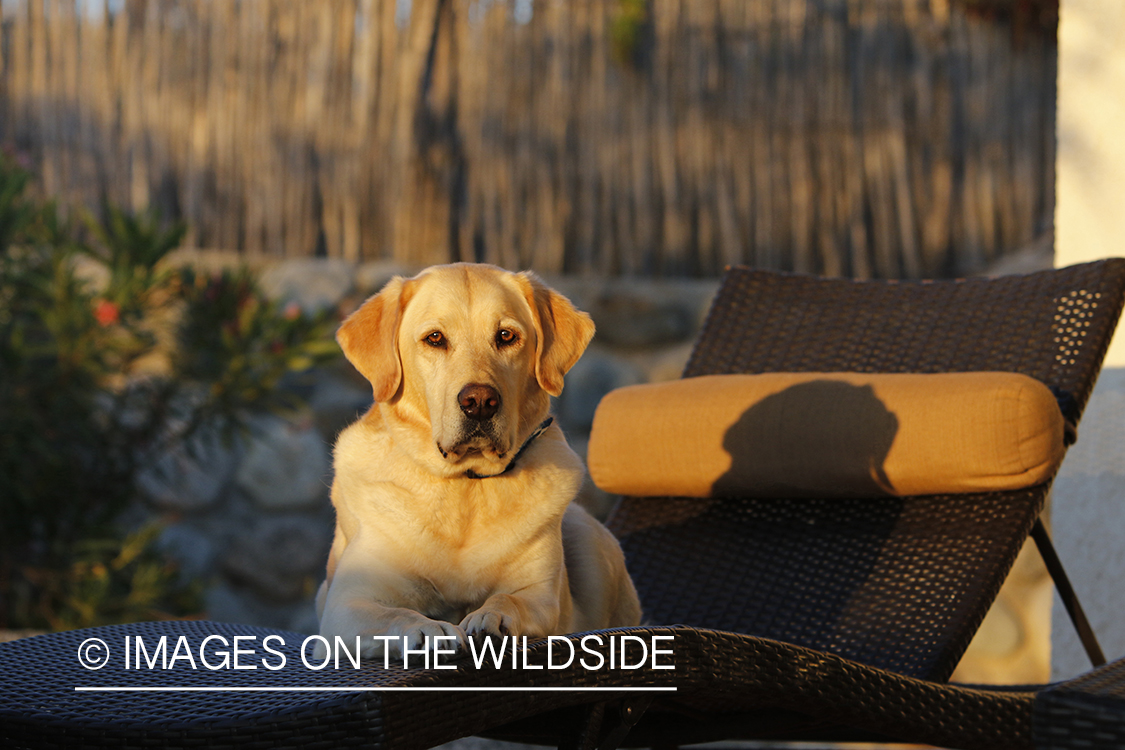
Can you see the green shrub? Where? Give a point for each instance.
(97, 379)
(627, 26)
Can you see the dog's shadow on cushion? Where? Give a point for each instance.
(819, 438)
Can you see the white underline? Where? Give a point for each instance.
(368, 689)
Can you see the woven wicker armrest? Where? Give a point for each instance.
(1086, 712)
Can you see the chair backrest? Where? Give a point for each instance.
(899, 583)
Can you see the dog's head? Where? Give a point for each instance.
(462, 360)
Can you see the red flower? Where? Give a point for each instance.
(106, 312)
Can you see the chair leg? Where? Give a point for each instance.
(588, 730)
(629, 712)
(1066, 593)
(583, 731)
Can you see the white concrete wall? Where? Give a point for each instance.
(1089, 496)
(1089, 527)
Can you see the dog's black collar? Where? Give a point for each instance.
(511, 464)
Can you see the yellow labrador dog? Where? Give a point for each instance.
(453, 493)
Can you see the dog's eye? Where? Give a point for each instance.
(506, 337)
(436, 340)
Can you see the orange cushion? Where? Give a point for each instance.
(826, 434)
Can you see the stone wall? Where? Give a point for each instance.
(253, 521)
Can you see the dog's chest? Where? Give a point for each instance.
(472, 539)
(474, 523)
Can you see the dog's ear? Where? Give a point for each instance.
(369, 338)
(562, 332)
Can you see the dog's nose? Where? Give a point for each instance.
(479, 402)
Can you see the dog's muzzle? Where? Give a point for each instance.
(479, 402)
(479, 429)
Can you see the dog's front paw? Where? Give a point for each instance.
(320, 651)
(428, 635)
(486, 621)
(365, 646)
(388, 635)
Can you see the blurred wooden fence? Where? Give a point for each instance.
(856, 137)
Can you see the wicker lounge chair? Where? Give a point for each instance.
(817, 618)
